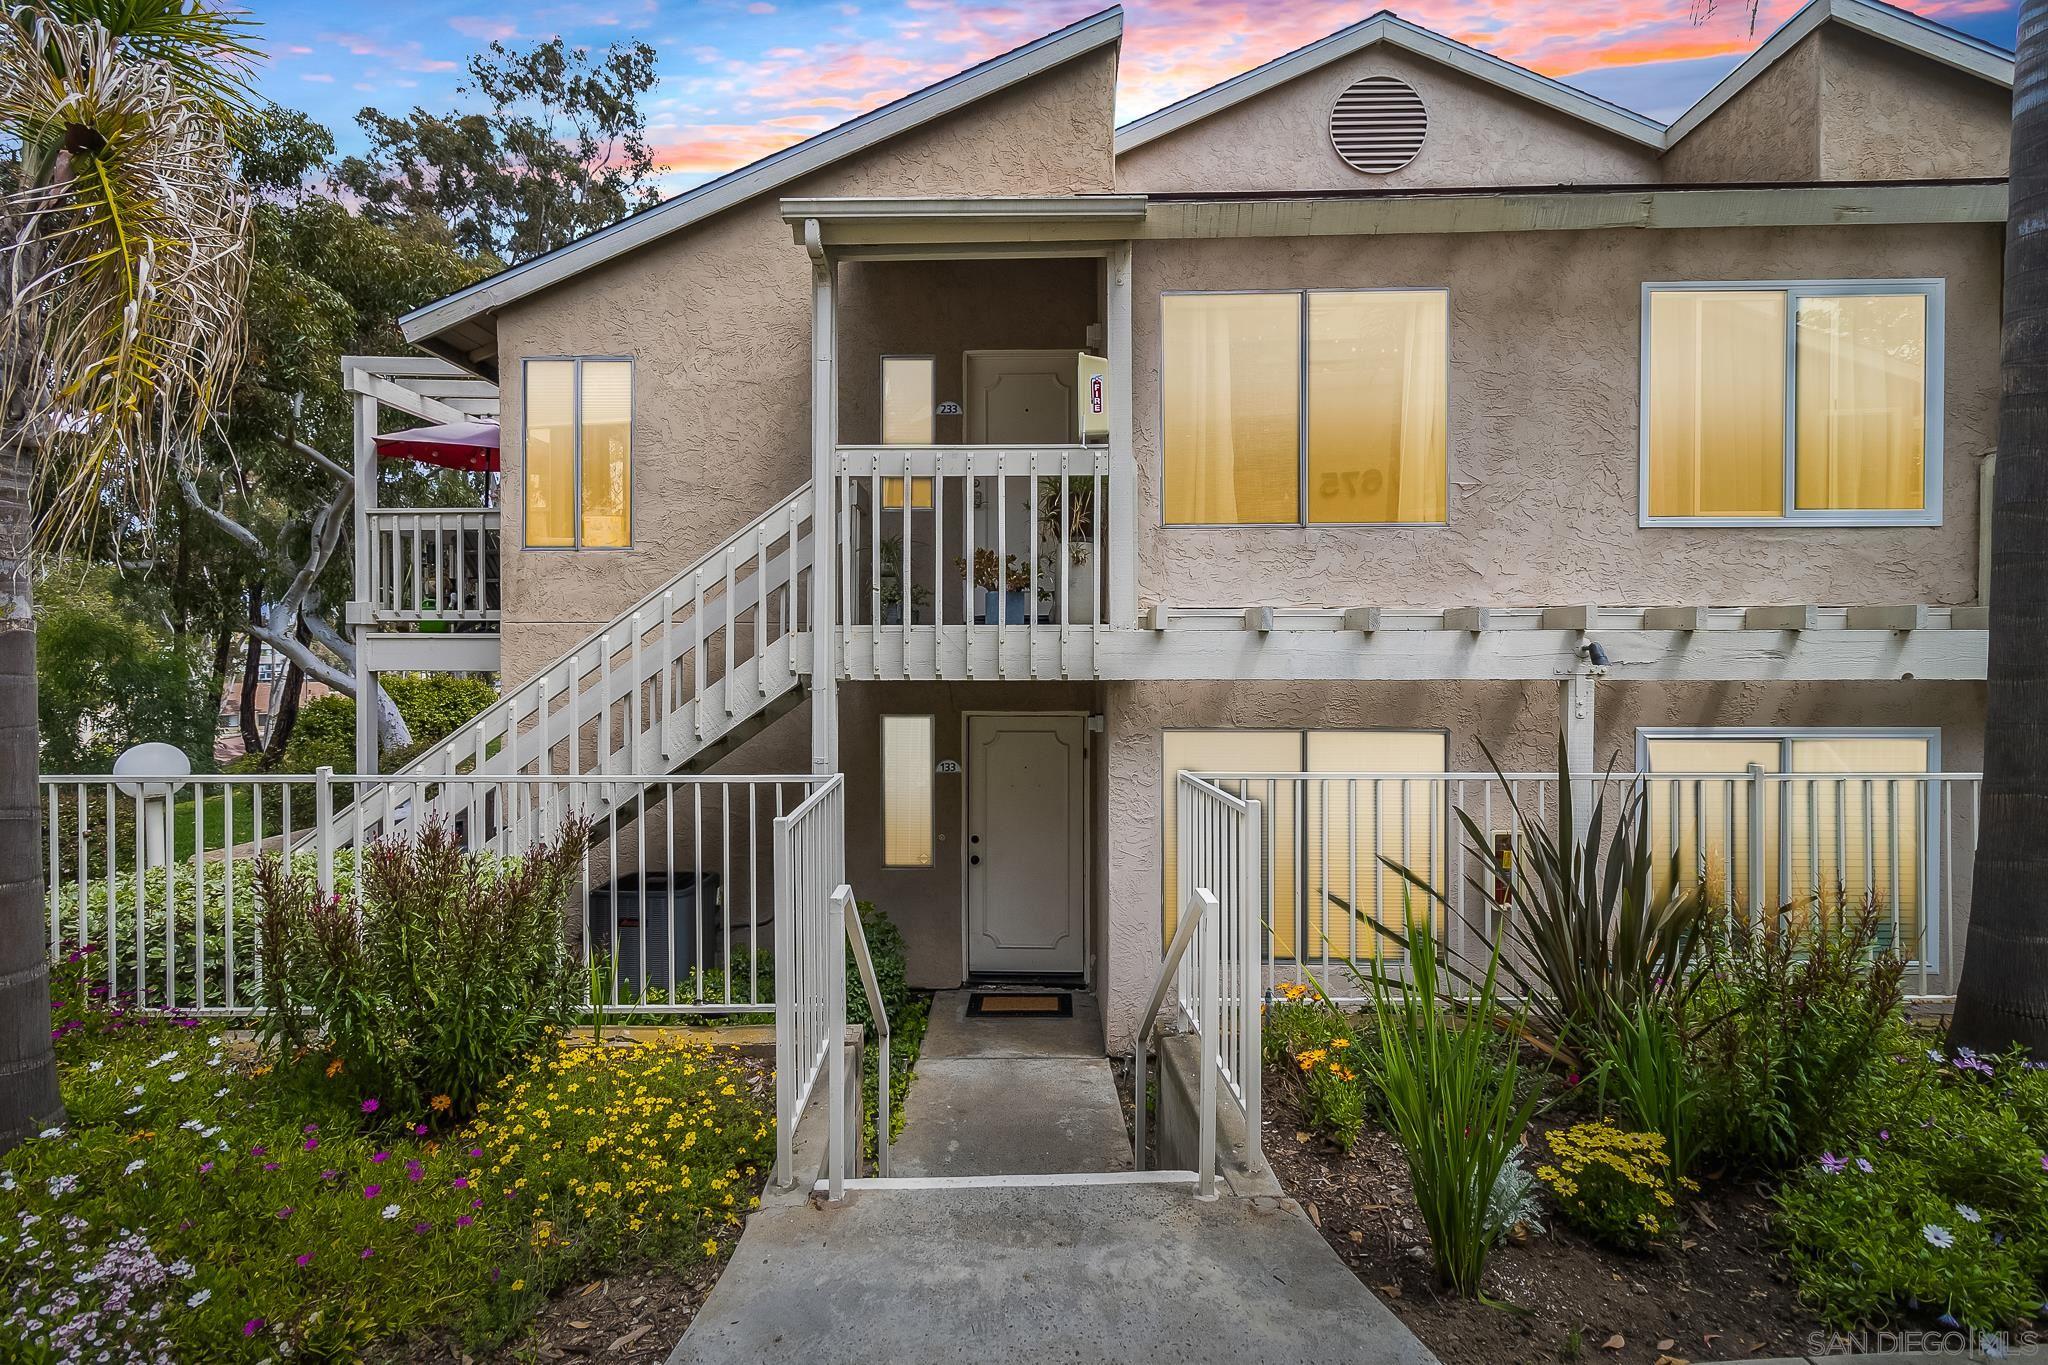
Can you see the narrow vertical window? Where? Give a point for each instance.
(909, 418)
(579, 454)
(1717, 404)
(1862, 402)
(907, 761)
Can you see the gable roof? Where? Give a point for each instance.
(1901, 28)
(1896, 26)
(1391, 29)
(442, 325)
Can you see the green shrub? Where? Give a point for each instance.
(114, 946)
(1792, 1013)
(1611, 1184)
(1644, 1067)
(1936, 1201)
(324, 736)
(1453, 1110)
(1318, 1044)
(456, 970)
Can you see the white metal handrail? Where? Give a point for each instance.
(1201, 905)
(857, 942)
(1901, 840)
(810, 963)
(915, 522)
(674, 899)
(432, 564)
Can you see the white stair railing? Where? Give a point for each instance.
(1216, 986)
(810, 965)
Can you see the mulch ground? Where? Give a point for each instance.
(1717, 1291)
(631, 1318)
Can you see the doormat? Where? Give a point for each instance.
(1049, 1005)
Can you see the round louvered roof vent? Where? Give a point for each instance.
(1378, 124)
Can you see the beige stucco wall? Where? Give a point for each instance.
(1478, 134)
(1544, 345)
(926, 902)
(944, 309)
(1769, 131)
(717, 319)
(1517, 721)
(1888, 115)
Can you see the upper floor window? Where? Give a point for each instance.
(1806, 403)
(1319, 407)
(579, 454)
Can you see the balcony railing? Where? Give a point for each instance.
(432, 565)
(999, 553)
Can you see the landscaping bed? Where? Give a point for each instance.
(1719, 1291)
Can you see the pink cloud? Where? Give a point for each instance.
(483, 29)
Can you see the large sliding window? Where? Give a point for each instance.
(1833, 818)
(1324, 407)
(1324, 838)
(579, 454)
(1808, 403)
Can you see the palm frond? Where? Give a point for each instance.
(126, 251)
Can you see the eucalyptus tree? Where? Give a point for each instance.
(124, 254)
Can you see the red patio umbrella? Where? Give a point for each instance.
(471, 446)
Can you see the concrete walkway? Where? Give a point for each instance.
(1005, 1274)
(1090, 1273)
(1012, 1096)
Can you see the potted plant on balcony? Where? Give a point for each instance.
(890, 585)
(1005, 587)
(1077, 519)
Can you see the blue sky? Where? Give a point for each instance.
(740, 78)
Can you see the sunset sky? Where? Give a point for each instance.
(741, 78)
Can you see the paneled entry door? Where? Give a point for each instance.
(1027, 845)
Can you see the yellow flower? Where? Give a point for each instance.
(441, 1104)
(518, 1285)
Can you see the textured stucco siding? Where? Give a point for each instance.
(717, 320)
(1768, 132)
(1478, 135)
(1888, 115)
(1545, 352)
(1518, 722)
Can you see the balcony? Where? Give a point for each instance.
(999, 562)
(433, 569)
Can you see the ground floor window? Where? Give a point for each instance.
(1822, 817)
(1333, 803)
(907, 759)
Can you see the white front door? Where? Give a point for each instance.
(1026, 844)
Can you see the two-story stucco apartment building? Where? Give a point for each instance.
(1380, 408)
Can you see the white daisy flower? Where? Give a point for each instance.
(390, 1211)
(1938, 1236)
(132, 1167)
(199, 1298)
(1968, 1214)
(177, 1076)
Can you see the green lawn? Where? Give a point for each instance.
(187, 818)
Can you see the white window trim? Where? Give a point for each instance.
(1931, 844)
(1928, 514)
(576, 422)
(1301, 521)
(931, 725)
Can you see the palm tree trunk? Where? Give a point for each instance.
(28, 1067)
(2002, 997)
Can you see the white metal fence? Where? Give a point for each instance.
(675, 907)
(1899, 844)
(810, 964)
